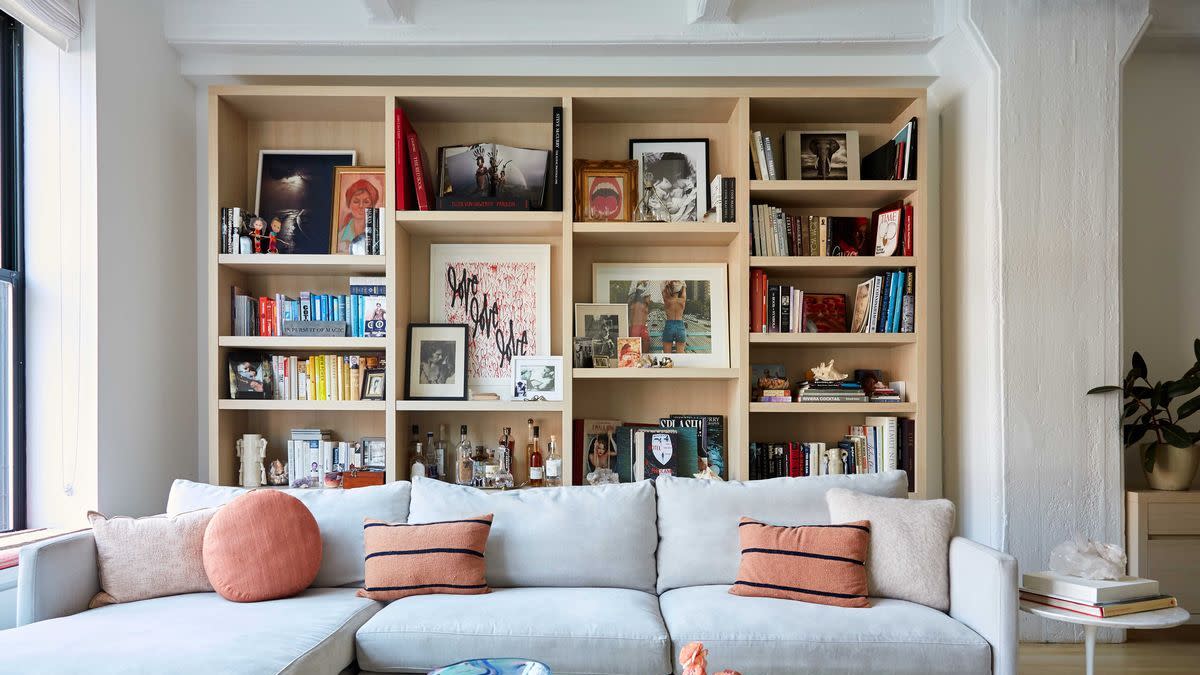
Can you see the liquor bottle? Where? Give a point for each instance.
(553, 464)
(463, 467)
(528, 448)
(537, 473)
(479, 462)
(440, 454)
(503, 455)
(418, 464)
(432, 470)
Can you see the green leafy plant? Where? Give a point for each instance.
(1148, 406)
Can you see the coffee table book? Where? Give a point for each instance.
(1091, 591)
(1102, 610)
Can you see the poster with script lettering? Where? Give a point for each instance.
(502, 293)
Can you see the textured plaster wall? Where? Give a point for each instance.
(1059, 67)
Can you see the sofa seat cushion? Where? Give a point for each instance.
(572, 630)
(769, 635)
(197, 634)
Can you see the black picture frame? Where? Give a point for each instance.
(241, 386)
(456, 332)
(369, 375)
(702, 183)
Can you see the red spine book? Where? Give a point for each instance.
(795, 461)
(908, 229)
(899, 172)
(417, 162)
(262, 317)
(405, 196)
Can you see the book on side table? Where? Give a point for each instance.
(1102, 598)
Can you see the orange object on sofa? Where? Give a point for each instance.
(263, 545)
(824, 564)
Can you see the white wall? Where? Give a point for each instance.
(1160, 187)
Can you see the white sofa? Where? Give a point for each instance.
(611, 579)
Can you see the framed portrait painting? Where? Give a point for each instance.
(296, 188)
(672, 178)
(355, 189)
(502, 293)
(678, 310)
(605, 190)
(436, 367)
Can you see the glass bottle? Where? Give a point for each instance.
(553, 464)
(537, 477)
(418, 463)
(440, 453)
(464, 469)
(528, 448)
(503, 456)
(479, 466)
(432, 470)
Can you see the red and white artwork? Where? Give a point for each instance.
(498, 302)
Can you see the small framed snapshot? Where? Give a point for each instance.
(672, 178)
(537, 378)
(374, 452)
(820, 154)
(250, 376)
(295, 187)
(582, 353)
(605, 190)
(436, 368)
(629, 352)
(355, 189)
(373, 387)
(604, 324)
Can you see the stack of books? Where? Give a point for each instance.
(832, 392)
(1101, 598)
(312, 454)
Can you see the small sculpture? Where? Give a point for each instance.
(827, 373)
(603, 476)
(1081, 557)
(278, 474)
(694, 659)
(708, 474)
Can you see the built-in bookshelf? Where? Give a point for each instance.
(599, 121)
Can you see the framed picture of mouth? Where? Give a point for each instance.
(604, 190)
(680, 310)
(296, 189)
(672, 178)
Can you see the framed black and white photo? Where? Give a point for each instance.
(250, 376)
(436, 368)
(295, 189)
(604, 324)
(582, 353)
(537, 377)
(374, 452)
(672, 179)
(821, 155)
(373, 384)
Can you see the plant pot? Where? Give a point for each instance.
(1174, 468)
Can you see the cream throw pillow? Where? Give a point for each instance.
(909, 555)
(141, 558)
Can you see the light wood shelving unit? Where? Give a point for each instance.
(598, 123)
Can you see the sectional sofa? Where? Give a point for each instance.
(612, 579)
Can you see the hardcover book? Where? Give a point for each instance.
(714, 428)
(824, 313)
(851, 236)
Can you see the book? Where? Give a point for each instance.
(905, 141)
(491, 176)
(887, 441)
(656, 453)
(906, 237)
(824, 313)
(729, 199)
(851, 236)
(405, 193)
(879, 164)
(554, 183)
(758, 155)
(863, 295)
(1089, 590)
(887, 229)
(908, 316)
(422, 188)
(769, 152)
(1103, 610)
(714, 432)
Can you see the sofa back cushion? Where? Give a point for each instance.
(339, 514)
(141, 558)
(698, 519)
(581, 536)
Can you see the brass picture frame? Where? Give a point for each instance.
(595, 183)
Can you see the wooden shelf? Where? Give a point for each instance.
(865, 408)
(655, 373)
(336, 344)
(833, 338)
(833, 266)
(652, 234)
(479, 406)
(831, 193)
(481, 223)
(250, 404)
(304, 265)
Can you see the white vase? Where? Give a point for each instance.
(252, 450)
(1174, 468)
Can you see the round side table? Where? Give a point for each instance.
(1161, 618)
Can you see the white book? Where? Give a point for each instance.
(1091, 591)
(888, 432)
(762, 156)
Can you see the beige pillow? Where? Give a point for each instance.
(909, 555)
(141, 558)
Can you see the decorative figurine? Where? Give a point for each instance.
(258, 232)
(278, 474)
(273, 237)
(827, 373)
(708, 474)
(252, 450)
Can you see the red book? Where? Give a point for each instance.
(262, 317)
(405, 196)
(416, 160)
(825, 311)
(899, 161)
(908, 229)
(795, 461)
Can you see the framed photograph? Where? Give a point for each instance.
(629, 352)
(582, 353)
(502, 293)
(355, 189)
(604, 324)
(538, 377)
(821, 155)
(605, 190)
(672, 178)
(436, 368)
(296, 187)
(250, 376)
(373, 387)
(374, 452)
(679, 310)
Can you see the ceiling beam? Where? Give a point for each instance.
(389, 12)
(710, 11)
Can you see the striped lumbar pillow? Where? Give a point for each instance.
(824, 564)
(445, 557)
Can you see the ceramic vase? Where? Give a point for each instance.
(1174, 468)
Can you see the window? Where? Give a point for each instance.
(12, 287)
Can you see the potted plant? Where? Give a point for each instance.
(1171, 458)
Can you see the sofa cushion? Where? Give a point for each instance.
(698, 519)
(411, 559)
(768, 635)
(142, 558)
(197, 634)
(582, 536)
(572, 630)
(339, 514)
(825, 564)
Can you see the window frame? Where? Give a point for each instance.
(12, 236)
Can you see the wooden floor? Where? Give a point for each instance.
(1151, 651)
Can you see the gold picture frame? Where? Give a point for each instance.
(350, 184)
(595, 181)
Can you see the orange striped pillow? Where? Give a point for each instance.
(445, 557)
(823, 564)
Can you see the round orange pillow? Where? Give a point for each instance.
(263, 545)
